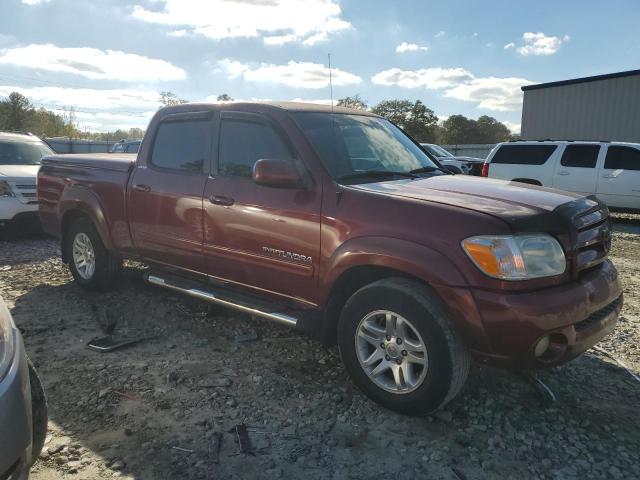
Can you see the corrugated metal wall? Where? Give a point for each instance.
(598, 110)
(478, 150)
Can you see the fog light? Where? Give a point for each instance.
(542, 346)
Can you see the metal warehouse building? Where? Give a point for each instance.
(603, 107)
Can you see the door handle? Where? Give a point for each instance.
(563, 173)
(221, 200)
(142, 188)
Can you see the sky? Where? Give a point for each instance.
(109, 59)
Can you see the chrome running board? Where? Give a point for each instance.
(282, 318)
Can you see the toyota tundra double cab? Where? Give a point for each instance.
(335, 222)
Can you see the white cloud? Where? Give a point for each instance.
(315, 38)
(540, 44)
(280, 39)
(218, 19)
(92, 63)
(440, 34)
(323, 101)
(100, 110)
(509, 45)
(491, 93)
(293, 74)
(34, 2)
(410, 47)
(178, 33)
(432, 78)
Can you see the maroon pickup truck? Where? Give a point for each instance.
(338, 224)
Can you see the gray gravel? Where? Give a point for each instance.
(150, 411)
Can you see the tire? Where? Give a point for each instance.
(106, 266)
(421, 315)
(39, 419)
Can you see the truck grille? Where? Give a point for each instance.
(593, 240)
(24, 192)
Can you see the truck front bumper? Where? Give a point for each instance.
(15, 417)
(11, 208)
(570, 318)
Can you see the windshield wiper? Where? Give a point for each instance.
(428, 169)
(377, 173)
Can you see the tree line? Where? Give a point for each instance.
(18, 114)
(423, 124)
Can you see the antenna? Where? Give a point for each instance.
(330, 82)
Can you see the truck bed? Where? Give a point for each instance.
(119, 162)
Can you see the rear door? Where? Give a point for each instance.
(165, 192)
(261, 237)
(532, 163)
(619, 182)
(576, 171)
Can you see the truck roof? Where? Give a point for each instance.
(262, 105)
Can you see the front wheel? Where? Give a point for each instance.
(397, 344)
(93, 266)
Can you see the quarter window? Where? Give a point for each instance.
(581, 156)
(622, 158)
(182, 145)
(244, 142)
(523, 154)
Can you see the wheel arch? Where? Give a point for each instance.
(366, 260)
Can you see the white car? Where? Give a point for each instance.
(20, 156)
(466, 165)
(610, 170)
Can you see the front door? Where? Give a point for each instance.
(619, 182)
(165, 192)
(264, 238)
(576, 171)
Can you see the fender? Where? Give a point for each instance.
(81, 198)
(412, 258)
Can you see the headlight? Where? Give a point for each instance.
(6, 340)
(516, 257)
(5, 190)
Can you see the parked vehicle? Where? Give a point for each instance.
(126, 146)
(20, 155)
(460, 164)
(610, 170)
(23, 406)
(338, 224)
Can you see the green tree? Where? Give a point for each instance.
(458, 129)
(16, 111)
(491, 130)
(224, 98)
(416, 118)
(353, 102)
(169, 98)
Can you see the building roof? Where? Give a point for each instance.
(595, 78)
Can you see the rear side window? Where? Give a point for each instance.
(523, 154)
(581, 156)
(622, 158)
(182, 145)
(244, 142)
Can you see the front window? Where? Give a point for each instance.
(351, 146)
(23, 153)
(436, 150)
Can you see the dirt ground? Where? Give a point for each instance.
(151, 411)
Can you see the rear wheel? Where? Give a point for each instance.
(93, 267)
(398, 346)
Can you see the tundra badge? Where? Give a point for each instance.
(296, 257)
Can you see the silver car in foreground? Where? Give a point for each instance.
(455, 163)
(23, 407)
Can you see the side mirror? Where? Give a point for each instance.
(276, 173)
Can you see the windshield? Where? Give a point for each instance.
(23, 153)
(436, 150)
(354, 144)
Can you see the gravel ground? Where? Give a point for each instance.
(151, 411)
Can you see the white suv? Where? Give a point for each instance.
(20, 156)
(610, 170)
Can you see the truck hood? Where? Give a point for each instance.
(18, 171)
(508, 200)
